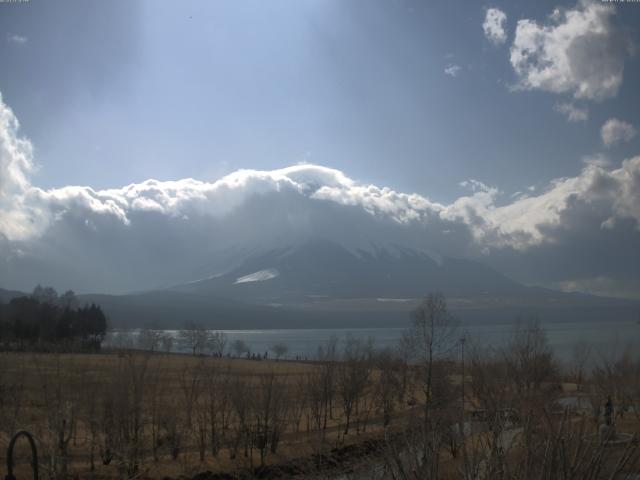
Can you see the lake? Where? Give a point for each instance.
(606, 338)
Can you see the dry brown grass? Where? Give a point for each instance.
(80, 380)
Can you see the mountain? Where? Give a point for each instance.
(171, 310)
(325, 284)
(7, 295)
(325, 269)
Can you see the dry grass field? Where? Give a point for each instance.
(514, 414)
(123, 415)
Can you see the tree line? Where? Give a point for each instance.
(45, 319)
(194, 338)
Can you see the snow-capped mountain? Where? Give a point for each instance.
(325, 269)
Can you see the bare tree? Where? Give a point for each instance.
(580, 354)
(404, 353)
(89, 407)
(190, 381)
(170, 426)
(617, 377)
(317, 401)
(202, 412)
(217, 407)
(299, 402)
(149, 339)
(546, 449)
(166, 341)
(529, 358)
(494, 403)
(193, 337)
(279, 350)
(155, 393)
(124, 409)
(239, 347)
(269, 413)
(328, 356)
(241, 400)
(387, 385)
(217, 343)
(353, 376)
(61, 413)
(12, 395)
(432, 337)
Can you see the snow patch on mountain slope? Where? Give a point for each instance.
(259, 276)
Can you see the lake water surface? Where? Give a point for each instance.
(606, 339)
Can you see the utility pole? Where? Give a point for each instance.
(462, 424)
(462, 340)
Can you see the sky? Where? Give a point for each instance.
(513, 124)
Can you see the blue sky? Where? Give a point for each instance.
(117, 92)
(414, 96)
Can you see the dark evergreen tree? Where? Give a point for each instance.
(45, 319)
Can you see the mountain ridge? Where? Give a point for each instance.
(325, 268)
(322, 284)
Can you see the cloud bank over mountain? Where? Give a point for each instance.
(578, 231)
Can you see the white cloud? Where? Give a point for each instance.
(615, 131)
(18, 39)
(578, 51)
(16, 162)
(164, 231)
(520, 224)
(612, 195)
(476, 186)
(493, 26)
(597, 159)
(573, 113)
(16, 154)
(452, 70)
